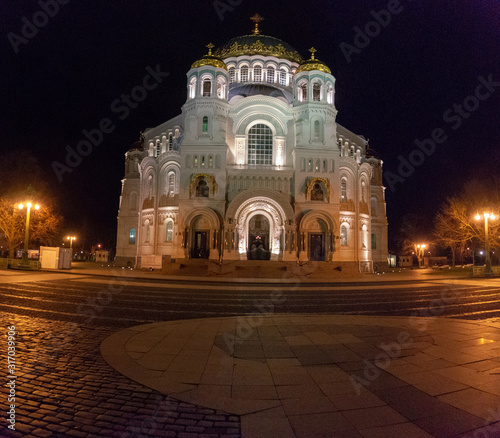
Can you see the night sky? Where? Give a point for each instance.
(416, 76)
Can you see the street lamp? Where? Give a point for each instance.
(420, 250)
(26, 233)
(71, 238)
(487, 264)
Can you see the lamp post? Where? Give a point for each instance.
(26, 233)
(71, 238)
(420, 250)
(487, 263)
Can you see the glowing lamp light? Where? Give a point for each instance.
(478, 217)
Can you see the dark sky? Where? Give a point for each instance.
(397, 89)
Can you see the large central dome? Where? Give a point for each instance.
(258, 45)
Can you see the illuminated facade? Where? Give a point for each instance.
(255, 167)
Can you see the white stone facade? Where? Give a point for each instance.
(255, 167)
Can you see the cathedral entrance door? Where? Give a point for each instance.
(317, 247)
(200, 247)
(258, 238)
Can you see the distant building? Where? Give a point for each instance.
(254, 167)
(406, 261)
(101, 255)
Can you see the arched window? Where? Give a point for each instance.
(171, 183)
(303, 92)
(204, 126)
(283, 76)
(363, 192)
(343, 190)
(343, 235)
(131, 236)
(374, 241)
(257, 74)
(374, 207)
(192, 88)
(169, 230)
(325, 166)
(270, 75)
(316, 167)
(210, 161)
(310, 165)
(195, 161)
(203, 161)
(207, 87)
(170, 141)
(329, 93)
(232, 75)
(158, 147)
(244, 73)
(260, 144)
(316, 92)
(316, 129)
(147, 231)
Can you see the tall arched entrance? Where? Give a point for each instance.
(260, 223)
(202, 234)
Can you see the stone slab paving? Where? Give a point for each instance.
(324, 376)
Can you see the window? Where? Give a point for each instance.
(282, 76)
(147, 231)
(343, 235)
(343, 190)
(316, 129)
(170, 231)
(171, 184)
(170, 141)
(232, 75)
(207, 87)
(210, 160)
(260, 144)
(244, 74)
(257, 74)
(204, 126)
(158, 147)
(310, 165)
(131, 236)
(363, 192)
(270, 75)
(195, 161)
(325, 166)
(374, 241)
(303, 92)
(316, 167)
(317, 92)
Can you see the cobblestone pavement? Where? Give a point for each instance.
(74, 393)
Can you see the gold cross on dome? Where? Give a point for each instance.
(210, 47)
(313, 51)
(256, 19)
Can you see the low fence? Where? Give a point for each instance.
(478, 271)
(6, 263)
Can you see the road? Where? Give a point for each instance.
(65, 388)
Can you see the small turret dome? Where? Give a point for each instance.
(313, 64)
(210, 59)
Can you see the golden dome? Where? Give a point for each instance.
(210, 59)
(313, 64)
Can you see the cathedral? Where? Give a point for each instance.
(254, 167)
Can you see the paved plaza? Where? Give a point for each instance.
(324, 376)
